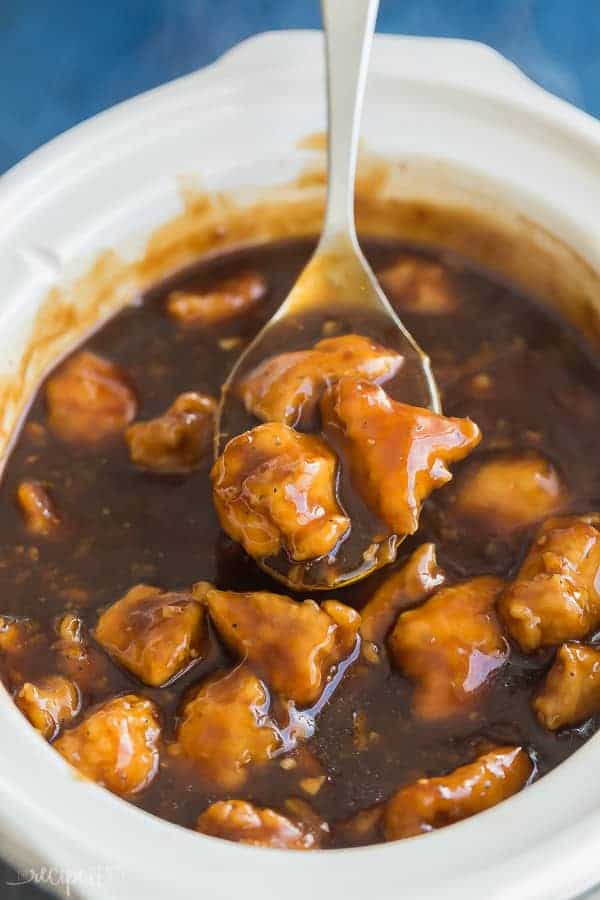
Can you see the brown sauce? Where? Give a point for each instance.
(123, 526)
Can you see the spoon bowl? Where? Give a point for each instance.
(336, 293)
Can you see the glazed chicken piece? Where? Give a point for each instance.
(245, 823)
(18, 636)
(507, 493)
(156, 635)
(178, 440)
(571, 692)
(38, 509)
(116, 745)
(49, 703)
(77, 659)
(294, 645)
(225, 729)
(397, 454)
(233, 297)
(419, 286)
(450, 646)
(287, 388)
(89, 400)
(275, 489)
(419, 576)
(21, 640)
(555, 596)
(432, 803)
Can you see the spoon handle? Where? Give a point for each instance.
(349, 27)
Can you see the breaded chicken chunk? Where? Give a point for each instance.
(555, 596)
(38, 509)
(419, 286)
(294, 645)
(450, 646)
(571, 692)
(178, 440)
(288, 387)
(245, 823)
(89, 399)
(233, 297)
(419, 576)
(157, 635)
(432, 803)
(274, 489)
(397, 454)
(77, 658)
(18, 636)
(49, 703)
(225, 729)
(509, 492)
(21, 642)
(116, 745)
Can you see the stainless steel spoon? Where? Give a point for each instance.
(338, 282)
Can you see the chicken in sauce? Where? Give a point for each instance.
(143, 638)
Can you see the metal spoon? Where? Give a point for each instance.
(337, 282)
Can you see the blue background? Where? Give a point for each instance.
(64, 60)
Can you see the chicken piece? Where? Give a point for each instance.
(450, 646)
(38, 509)
(231, 298)
(507, 493)
(293, 645)
(18, 636)
(397, 454)
(156, 635)
(89, 400)
(419, 576)
(69, 628)
(245, 823)
(287, 388)
(555, 596)
(49, 703)
(419, 286)
(432, 803)
(176, 441)
(225, 729)
(21, 643)
(117, 745)
(571, 692)
(77, 659)
(275, 489)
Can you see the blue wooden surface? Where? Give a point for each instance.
(61, 61)
(64, 60)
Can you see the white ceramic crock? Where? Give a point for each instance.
(111, 181)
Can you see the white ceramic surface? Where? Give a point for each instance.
(111, 181)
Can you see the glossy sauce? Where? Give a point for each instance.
(122, 526)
